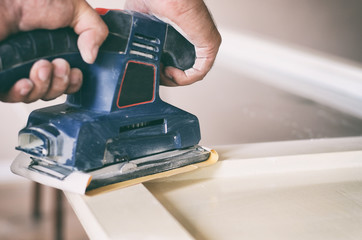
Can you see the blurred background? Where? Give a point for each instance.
(287, 70)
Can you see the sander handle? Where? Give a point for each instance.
(20, 51)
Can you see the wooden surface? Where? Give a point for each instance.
(130, 213)
(308, 189)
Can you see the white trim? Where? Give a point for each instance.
(325, 79)
(150, 211)
(6, 176)
(129, 213)
(255, 159)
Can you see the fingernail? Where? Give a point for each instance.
(168, 75)
(94, 53)
(62, 73)
(27, 88)
(44, 74)
(90, 55)
(76, 76)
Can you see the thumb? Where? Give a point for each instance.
(92, 32)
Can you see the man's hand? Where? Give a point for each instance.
(193, 19)
(48, 80)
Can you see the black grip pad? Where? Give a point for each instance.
(178, 51)
(27, 46)
(20, 51)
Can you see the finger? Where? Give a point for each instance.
(166, 80)
(92, 32)
(76, 79)
(18, 92)
(136, 5)
(40, 75)
(194, 74)
(194, 21)
(55, 14)
(60, 79)
(178, 77)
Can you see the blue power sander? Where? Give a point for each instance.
(115, 131)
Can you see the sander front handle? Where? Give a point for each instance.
(20, 51)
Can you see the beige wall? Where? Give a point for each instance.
(331, 26)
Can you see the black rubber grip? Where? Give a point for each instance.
(177, 51)
(19, 52)
(28, 46)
